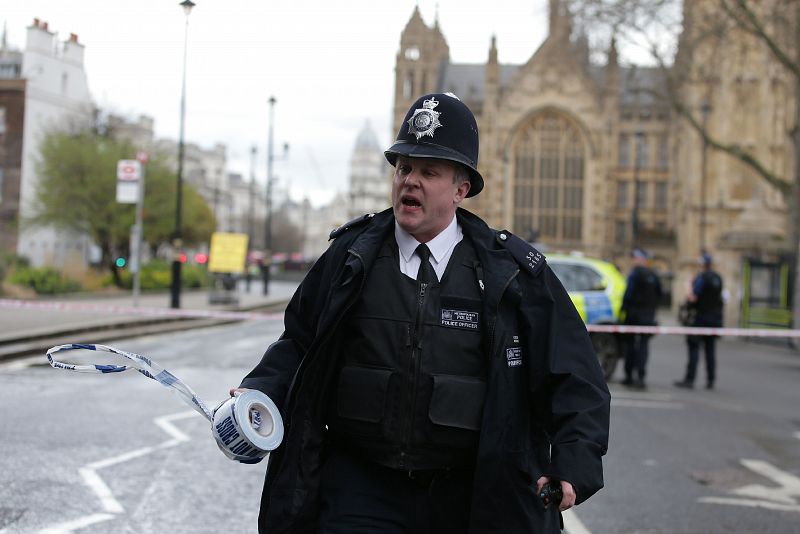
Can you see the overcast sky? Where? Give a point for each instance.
(329, 64)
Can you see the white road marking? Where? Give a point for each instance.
(621, 394)
(111, 505)
(644, 403)
(789, 485)
(751, 503)
(572, 524)
(64, 528)
(101, 490)
(248, 343)
(165, 422)
(119, 459)
(781, 497)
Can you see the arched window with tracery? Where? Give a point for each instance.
(548, 159)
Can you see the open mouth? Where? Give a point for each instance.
(411, 202)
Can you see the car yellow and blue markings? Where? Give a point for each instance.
(600, 306)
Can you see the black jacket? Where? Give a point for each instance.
(642, 294)
(557, 396)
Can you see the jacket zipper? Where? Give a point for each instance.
(413, 365)
(497, 312)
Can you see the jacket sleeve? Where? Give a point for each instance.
(274, 373)
(574, 389)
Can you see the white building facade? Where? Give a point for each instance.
(370, 182)
(57, 93)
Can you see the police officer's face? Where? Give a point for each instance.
(425, 195)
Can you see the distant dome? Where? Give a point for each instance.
(367, 139)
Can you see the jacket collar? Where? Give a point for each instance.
(498, 265)
(368, 244)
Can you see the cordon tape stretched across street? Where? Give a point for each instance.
(219, 314)
(246, 426)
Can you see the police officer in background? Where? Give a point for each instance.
(705, 296)
(433, 374)
(642, 294)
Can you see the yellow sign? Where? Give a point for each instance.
(228, 253)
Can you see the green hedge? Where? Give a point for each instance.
(10, 261)
(44, 280)
(157, 274)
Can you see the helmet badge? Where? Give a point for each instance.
(425, 120)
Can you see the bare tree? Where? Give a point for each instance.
(685, 41)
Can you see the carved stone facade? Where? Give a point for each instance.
(581, 157)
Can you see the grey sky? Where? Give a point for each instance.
(330, 64)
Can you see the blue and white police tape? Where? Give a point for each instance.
(246, 427)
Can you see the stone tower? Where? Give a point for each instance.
(423, 52)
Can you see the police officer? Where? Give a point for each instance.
(705, 296)
(433, 374)
(642, 294)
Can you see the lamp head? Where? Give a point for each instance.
(187, 6)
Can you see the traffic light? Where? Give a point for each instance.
(182, 257)
(121, 262)
(200, 258)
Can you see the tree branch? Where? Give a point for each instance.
(749, 22)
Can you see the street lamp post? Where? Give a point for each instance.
(175, 290)
(251, 206)
(268, 217)
(251, 190)
(270, 157)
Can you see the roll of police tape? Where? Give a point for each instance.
(246, 427)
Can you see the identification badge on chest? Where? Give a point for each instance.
(462, 314)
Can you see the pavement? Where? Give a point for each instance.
(27, 324)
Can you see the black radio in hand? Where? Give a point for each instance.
(551, 493)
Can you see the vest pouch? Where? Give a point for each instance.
(361, 393)
(457, 401)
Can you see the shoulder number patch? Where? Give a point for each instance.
(528, 257)
(358, 221)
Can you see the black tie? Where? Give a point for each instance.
(426, 272)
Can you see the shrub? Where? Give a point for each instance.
(44, 280)
(157, 274)
(10, 261)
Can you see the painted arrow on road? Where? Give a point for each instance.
(782, 497)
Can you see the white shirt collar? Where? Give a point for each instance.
(439, 245)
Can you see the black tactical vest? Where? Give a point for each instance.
(645, 291)
(412, 377)
(709, 301)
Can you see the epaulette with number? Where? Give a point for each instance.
(528, 257)
(358, 221)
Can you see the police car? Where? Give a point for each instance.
(596, 288)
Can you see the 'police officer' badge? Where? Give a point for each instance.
(424, 121)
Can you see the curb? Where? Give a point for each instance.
(40, 341)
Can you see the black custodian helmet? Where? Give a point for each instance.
(440, 126)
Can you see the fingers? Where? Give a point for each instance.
(541, 483)
(235, 392)
(568, 500)
(569, 496)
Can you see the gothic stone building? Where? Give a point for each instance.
(581, 157)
